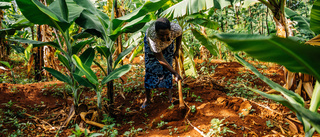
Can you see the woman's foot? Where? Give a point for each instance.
(145, 103)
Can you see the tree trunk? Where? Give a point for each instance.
(49, 51)
(110, 90)
(44, 56)
(38, 63)
(119, 39)
(4, 47)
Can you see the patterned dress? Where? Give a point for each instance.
(156, 75)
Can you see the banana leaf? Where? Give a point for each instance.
(91, 18)
(294, 56)
(104, 51)
(6, 63)
(189, 7)
(315, 17)
(59, 75)
(122, 55)
(84, 82)
(38, 43)
(50, 15)
(303, 22)
(204, 22)
(80, 45)
(91, 76)
(64, 61)
(5, 5)
(205, 42)
(86, 58)
(117, 73)
(131, 26)
(147, 7)
(292, 100)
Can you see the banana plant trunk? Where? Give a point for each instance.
(110, 91)
(4, 48)
(38, 64)
(294, 81)
(44, 56)
(119, 39)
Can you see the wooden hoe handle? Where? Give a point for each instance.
(177, 60)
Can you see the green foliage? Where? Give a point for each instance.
(57, 14)
(11, 69)
(78, 133)
(294, 56)
(189, 7)
(269, 124)
(193, 108)
(292, 100)
(315, 17)
(206, 42)
(171, 106)
(217, 128)
(161, 124)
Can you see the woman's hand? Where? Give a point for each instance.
(177, 77)
(176, 54)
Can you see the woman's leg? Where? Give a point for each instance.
(147, 99)
(170, 95)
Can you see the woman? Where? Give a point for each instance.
(161, 44)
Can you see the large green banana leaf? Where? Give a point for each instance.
(59, 75)
(22, 22)
(204, 22)
(64, 61)
(294, 56)
(205, 42)
(189, 7)
(91, 76)
(5, 5)
(104, 51)
(149, 6)
(38, 43)
(315, 17)
(303, 22)
(80, 45)
(315, 100)
(117, 73)
(122, 55)
(86, 58)
(131, 26)
(68, 9)
(291, 100)
(84, 82)
(92, 18)
(58, 12)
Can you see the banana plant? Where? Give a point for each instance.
(109, 28)
(91, 79)
(295, 57)
(60, 16)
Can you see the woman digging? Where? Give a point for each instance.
(161, 44)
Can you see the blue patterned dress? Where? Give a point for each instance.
(156, 75)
